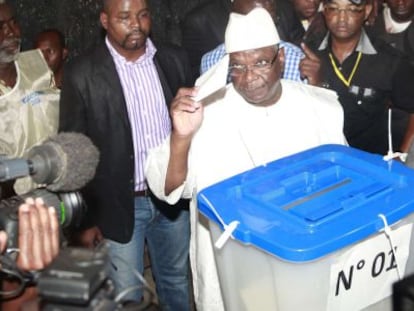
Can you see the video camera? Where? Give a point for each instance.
(63, 164)
(78, 277)
(70, 209)
(78, 280)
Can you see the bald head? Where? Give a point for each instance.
(106, 4)
(245, 6)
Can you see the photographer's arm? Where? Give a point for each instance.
(38, 245)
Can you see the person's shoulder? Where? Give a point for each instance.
(311, 89)
(216, 53)
(219, 49)
(168, 48)
(168, 53)
(32, 58)
(394, 60)
(289, 45)
(383, 48)
(29, 54)
(32, 66)
(290, 48)
(313, 95)
(174, 61)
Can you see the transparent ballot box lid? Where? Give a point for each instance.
(312, 203)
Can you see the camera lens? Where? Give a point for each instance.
(70, 207)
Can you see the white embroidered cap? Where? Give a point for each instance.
(252, 31)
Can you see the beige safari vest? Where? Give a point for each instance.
(29, 112)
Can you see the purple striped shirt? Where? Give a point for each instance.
(145, 101)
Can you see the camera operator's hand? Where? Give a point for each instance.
(38, 235)
(38, 243)
(3, 241)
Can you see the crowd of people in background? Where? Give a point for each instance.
(320, 71)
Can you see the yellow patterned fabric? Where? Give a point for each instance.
(29, 112)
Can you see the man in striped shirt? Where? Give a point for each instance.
(117, 94)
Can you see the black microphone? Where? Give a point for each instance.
(65, 162)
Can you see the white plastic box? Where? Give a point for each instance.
(310, 236)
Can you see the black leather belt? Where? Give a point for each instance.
(141, 193)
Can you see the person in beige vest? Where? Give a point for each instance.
(29, 105)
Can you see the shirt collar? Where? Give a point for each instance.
(392, 26)
(364, 45)
(150, 51)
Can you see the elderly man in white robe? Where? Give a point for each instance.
(255, 119)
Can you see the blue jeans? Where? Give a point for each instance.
(168, 246)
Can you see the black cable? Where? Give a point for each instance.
(10, 271)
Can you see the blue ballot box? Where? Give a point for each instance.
(309, 231)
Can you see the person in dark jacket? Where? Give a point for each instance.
(395, 25)
(118, 94)
(368, 75)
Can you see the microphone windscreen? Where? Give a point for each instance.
(74, 160)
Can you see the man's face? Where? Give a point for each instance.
(52, 49)
(9, 35)
(401, 10)
(306, 8)
(128, 24)
(245, 6)
(256, 74)
(344, 19)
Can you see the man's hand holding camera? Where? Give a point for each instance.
(38, 235)
(38, 242)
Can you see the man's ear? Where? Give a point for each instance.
(281, 58)
(65, 53)
(103, 17)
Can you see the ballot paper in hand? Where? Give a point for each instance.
(213, 79)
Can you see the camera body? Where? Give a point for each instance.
(70, 209)
(77, 280)
(63, 164)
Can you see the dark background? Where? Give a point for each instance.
(79, 20)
